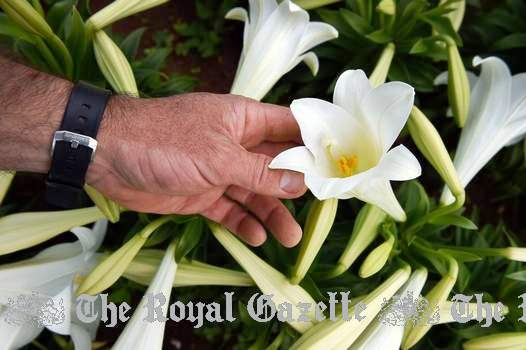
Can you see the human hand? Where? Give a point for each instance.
(201, 154)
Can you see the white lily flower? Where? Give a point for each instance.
(140, 333)
(497, 118)
(347, 143)
(51, 274)
(276, 39)
(381, 335)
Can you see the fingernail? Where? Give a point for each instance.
(291, 182)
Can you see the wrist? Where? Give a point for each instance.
(34, 107)
(108, 139)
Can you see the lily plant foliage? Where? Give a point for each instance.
(347, 152)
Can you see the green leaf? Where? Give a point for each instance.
(517, 276)
(130, 45)
(358, 23)
(442, 25)
(10, 29)
(454, 220)
(464, 277)
(76, 38)
(380, 37)
(512, 41)
(58, 13)
(430, 47)
(188, 238)
(461, 256)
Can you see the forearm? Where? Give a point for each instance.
(32, 105)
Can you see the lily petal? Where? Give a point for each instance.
(490, 102)
(379, 192)
(316, 34)
(399, 164)
(297, 159)
(386, 108)
(351, 89)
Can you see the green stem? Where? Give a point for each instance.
(438, 212)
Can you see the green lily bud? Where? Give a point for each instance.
(376, 258)
(24, 230)
(364, 233)
(317, 227)
(457, 14)
(120, 9)
(114, 65)
(6, 177)
(25, 15)
(430, 143)
(189, 273)
(379, 74)
(340, 334)
(435, 297)
(110, 209)
(498, 341)
(458, 84)
(269, 280)
(112, 267)
(387, 7)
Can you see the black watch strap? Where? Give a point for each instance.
(74, 145)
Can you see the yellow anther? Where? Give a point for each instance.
(347, 166)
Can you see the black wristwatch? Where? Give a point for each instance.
(74, 145)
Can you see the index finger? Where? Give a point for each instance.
(269, 122)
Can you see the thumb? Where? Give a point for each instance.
(251, 171)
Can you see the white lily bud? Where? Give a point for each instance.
(447, 317)
(498, 341)
(340, 334)
(24, 230)
(269, 280)
(120, 9)
(364, 233)
(435, 297)
(379, 74)
(112, 267)
(376, 258)
(189, 273)
(381, 335)
(141, 333)
(6, 177)
(25, 15)
(114, 65)
(110, 209)
(457, 15)
(429, 142)
(458, 83)
(319, 222)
